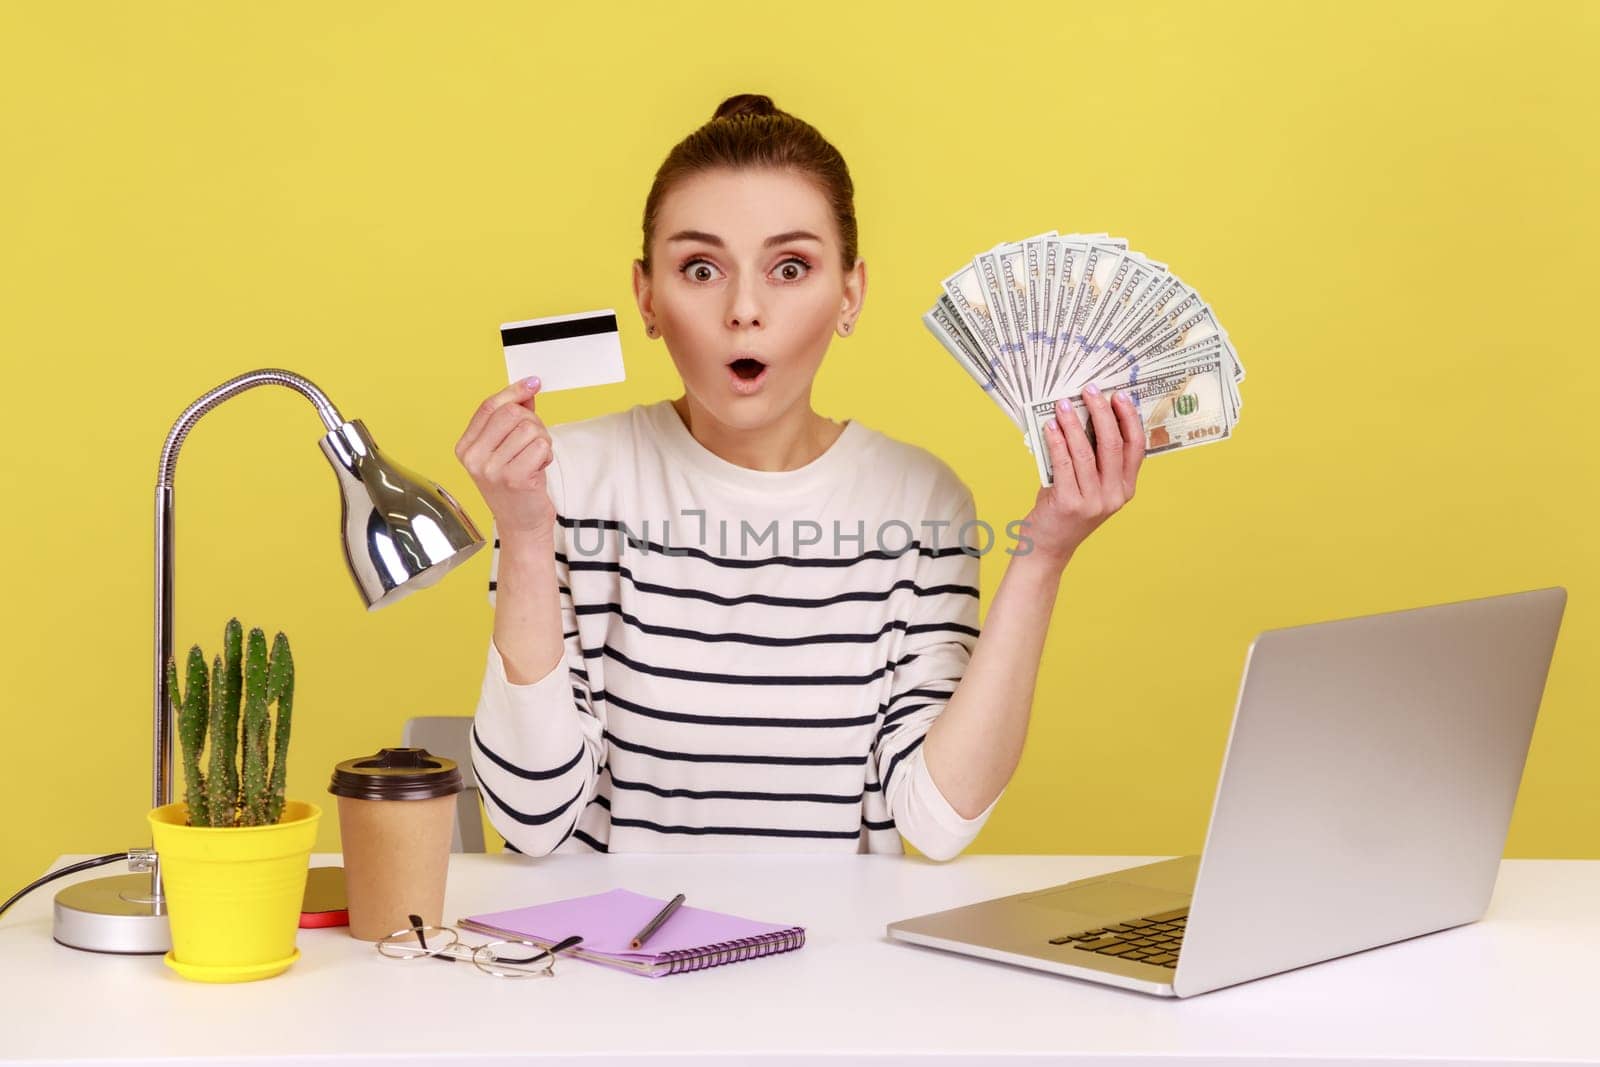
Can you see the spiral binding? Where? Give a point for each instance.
(743, 948)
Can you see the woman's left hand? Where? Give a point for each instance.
(1086, 493)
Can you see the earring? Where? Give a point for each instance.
(844, 327)
(650, 329)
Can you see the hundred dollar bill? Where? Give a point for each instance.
(1038, 257)
(1111, 273)
(965, 289)
(1078, 259)
(1185, 322)
(1162, 295)
(1014, 277)
(948, 307)
(1100, 273)
(1213, 347)
(1182, 407)
(1000, 297)
(1012, 261)
(958, 343)
(1196, 326)
(1178, 315)
(950, 316)
(1087, 283)
(1132, 284)
(1069, 264)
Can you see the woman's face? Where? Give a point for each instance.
(746, 289)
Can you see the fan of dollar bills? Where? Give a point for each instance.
(1036, 320)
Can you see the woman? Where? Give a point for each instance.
(726, 622)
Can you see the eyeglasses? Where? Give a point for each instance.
(509, 958)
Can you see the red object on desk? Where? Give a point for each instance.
(324, 903)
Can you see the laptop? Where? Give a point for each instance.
(1365, 796)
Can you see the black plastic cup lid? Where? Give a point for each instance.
(396, 774)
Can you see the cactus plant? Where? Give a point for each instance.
(253, 774)
(244, 782)
(192, 717)
(280, 690)
(222, 779)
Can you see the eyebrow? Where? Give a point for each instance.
(775, 239)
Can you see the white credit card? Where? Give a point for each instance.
(564, 351)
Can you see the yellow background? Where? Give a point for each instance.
(1391, 207)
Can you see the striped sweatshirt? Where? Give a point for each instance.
(753, 658)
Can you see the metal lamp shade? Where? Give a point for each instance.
(402, 532)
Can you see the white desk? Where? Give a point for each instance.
(1518, 987)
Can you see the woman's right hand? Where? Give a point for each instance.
(506, 449)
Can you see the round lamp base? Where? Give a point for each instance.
(113, 915)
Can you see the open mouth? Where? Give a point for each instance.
(747, 368)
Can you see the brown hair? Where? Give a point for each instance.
(747, 131)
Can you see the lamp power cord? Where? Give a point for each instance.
(139, 859)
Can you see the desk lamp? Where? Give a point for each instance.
(401, 532)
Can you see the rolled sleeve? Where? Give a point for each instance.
(941, 832)
(941, 635)
(538, 747)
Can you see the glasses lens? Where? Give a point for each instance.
(404, 944)
(514, 959)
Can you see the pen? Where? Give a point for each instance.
(655, 924)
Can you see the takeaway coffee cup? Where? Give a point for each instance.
(396, 814)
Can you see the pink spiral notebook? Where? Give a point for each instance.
(691, 939)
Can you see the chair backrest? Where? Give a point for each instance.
(450, 736)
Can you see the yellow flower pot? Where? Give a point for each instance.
(234, 893)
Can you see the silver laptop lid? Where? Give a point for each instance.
(1367, 784)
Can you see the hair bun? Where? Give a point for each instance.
(746, 104)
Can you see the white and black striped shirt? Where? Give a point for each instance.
(753, 658)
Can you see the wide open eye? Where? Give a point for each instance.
(695, 274)
(805, 269)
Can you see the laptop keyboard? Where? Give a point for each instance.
(1154, 939)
